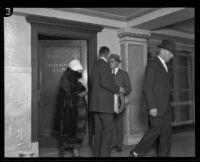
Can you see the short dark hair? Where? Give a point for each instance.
(104, 51)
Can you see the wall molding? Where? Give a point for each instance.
(174, 33)
(106, 15)
(155, 42)
(32, 152)
(67, 15)
(41, 20)
(134, 33)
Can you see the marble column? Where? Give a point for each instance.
(17, 88)
(133, 43)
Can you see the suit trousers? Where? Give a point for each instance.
(103, 134)
(118, 130)
(159, 129)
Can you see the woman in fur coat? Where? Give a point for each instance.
(72, 107)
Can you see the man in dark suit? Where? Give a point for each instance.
(121, 78)
(102, 102)
(156, 91)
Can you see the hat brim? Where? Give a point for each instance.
(116, 59)
(172, 51)
(119, 60)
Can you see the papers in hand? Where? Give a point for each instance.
(119, 103)
(116, 104)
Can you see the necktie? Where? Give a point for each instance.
(113, 71)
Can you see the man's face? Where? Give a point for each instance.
(167, 55)
(113, 63)
(107, 56)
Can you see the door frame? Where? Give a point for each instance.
(61, 28)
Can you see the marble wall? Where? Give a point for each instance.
(135, 116)
(136, 72)
(133, 43)
(108, 37)
(17, 83)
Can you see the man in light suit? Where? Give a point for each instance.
(156, 91)
(102, 102)
(121, 78)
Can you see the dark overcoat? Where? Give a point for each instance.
(122, 79)
(156, 87)
(102, 88)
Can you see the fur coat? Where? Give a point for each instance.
(72, 108)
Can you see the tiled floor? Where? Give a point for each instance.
(183, 145)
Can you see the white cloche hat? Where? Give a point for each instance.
(75, 65)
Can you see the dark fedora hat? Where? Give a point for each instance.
(168, 45)
(115, 56)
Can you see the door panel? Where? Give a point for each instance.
(55, 61)
(54, 56)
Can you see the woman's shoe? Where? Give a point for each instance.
(119, 149)
(75, 153)
(61, 152)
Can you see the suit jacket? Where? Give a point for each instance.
(156, 87)
(102, 88)
(122, 79)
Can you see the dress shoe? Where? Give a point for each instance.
(61, 152)
(133, 154)
(119, 149)
(75, 153)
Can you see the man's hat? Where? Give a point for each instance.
(168, 45)
(116, 57)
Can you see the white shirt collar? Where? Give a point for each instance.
(104, 59)
(163, 62)
(116, 69)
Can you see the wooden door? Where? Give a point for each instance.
(54, 56)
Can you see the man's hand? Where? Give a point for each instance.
(153, 112)
(83, 94)
(122, 90)
(121, 110)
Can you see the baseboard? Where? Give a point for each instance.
(33, 152)
(183, 128)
